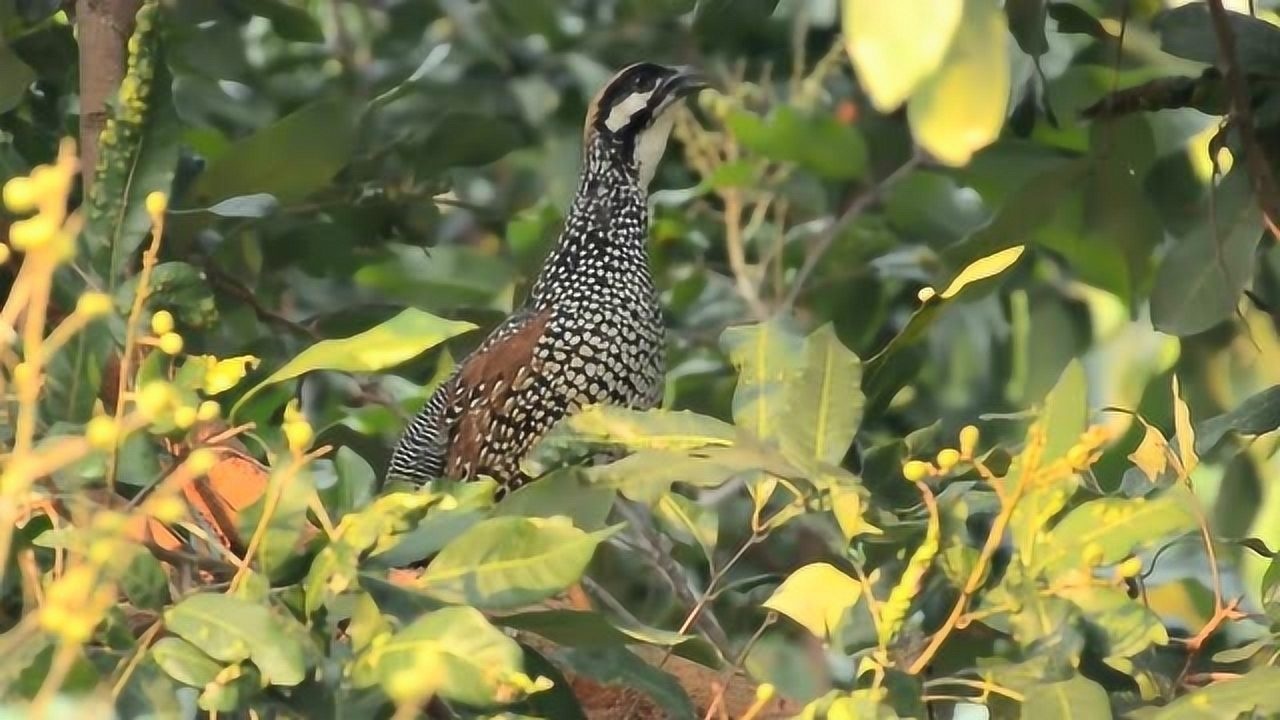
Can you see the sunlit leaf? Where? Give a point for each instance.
(1123, 628)
(960, 109)
(892, 50)
(1108, 530)
(1066, 411)
(405, 336)
(1186, 434)
(765, 356)
(506, 562)
(1254, 691)
(816, 596)
(1152, 454)
(646, 429)
(987, 267)
(1078, 697)
(232, 630)
(823, 399)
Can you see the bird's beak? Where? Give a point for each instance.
(687, 81)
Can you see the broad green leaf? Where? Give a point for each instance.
(1108, 530)
(279, 551)
(1078, 697)
(960, 109)
(290, 159)
(688, 522)
(1199, 282)
(646, 476)
(385, 345)
(765, 356)
(232, 630)
(1122, 627)
(440, 278)
(1066, 411)
(467, 139)
(138, 154)
(618, 666)
(817, 596)
(179, 287)
(506, 562)
(453, 652)
(15, 77)
(647, 429)
(893, 51)
(1121, 224)
(981, 269)
(823, 399)
(1187, 32)
(819, 143)
(563, 492)
(1254, 691)
(1026, 22)
(1258, 415)
(184, 662)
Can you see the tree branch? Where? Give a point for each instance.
(103, 28)
(1264, 184)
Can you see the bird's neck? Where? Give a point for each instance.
(603, 247)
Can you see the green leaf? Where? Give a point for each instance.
(618, 666)
(15, 78)
(506, 562)
(819, 143)
(232, 630)
(145, 582)
(177, 286)
(642, 429)
(1187, 32)
(138, 155)
(403, 337)
(647, 476)
(1255, 691)
(823, 399)
(453, 652)
(1122, 628)
(961, 108)
(289, 159)
(184, 662)
(1066, 411)
(440, 278)
(1111, 529)
(1078, 697)
(289, 21)
(765, 355)
(1026, 22)
(893, 52)
(563, 492)
(1259, 414)
(689, 522)
(467, 139)
(279, 551)
(817, 596)
(1200, 281)
(255, 206)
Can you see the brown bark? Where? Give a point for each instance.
(103, 28)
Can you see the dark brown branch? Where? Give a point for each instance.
(1264, 183)
(103, 28)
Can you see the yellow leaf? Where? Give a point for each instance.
(1185, 433)
(222, 375)
(816, 596)
(894, 48)
(984, 268)
(961, 108)
(1152, 454)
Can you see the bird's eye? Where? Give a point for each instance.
(643, 83)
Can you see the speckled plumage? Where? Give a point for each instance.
(591, 330)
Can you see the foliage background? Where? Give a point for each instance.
(400, 169)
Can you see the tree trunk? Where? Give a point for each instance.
(103, 28)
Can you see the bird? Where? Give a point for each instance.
(591, 330)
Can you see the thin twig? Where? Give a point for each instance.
(1264, 184)
(859, 205)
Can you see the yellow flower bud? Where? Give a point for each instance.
(4, 253)
(171, 343)
(208, 410)
(915, 470)
(968, 441)
(1078, 457)
(299, 435)
(167, 509)
(23, 375)
(292, 413)
(93, 304)
(101, 432)
(20, 195)
(201, 460)
(162, 322)
(154, 399)
(184, 417)
(1129, 568)
(765, 692)
(157, 203)
(925, 294)
(46, 181)
(948, 458)
(32, 232)
(1092, 555)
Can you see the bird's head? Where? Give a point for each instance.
(630, 118)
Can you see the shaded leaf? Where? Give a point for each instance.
(1259, 414)
(819, 143)
(15, 77)
(1254, 691)
(255, 205)
(618, 666)
(689, 522)
(564, 492)
(1026, 22)
(506, 562)
(1187, 32)
(467, 139)
(288, 20)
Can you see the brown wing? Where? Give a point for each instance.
(486, 435)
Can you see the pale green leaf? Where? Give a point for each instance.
(960, 109)
(1078, 697)
(1256, 690)
(1066, 411)
(824, 399)
(765, 355)
(1111, 529)
(689, 522)
(647, 475)
(232, 630)
(184, 662)
(893, 51)
(816, 596)
(401, 338)
(1122, 628)
(506, 562)
(646, 429)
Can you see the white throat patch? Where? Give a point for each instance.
(621, 113)
(651, 144)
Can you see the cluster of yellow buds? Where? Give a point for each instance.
(297, 431)
(169, 342)
(1088, 448)
(947, 459)
(75, 603)
(44, 192)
